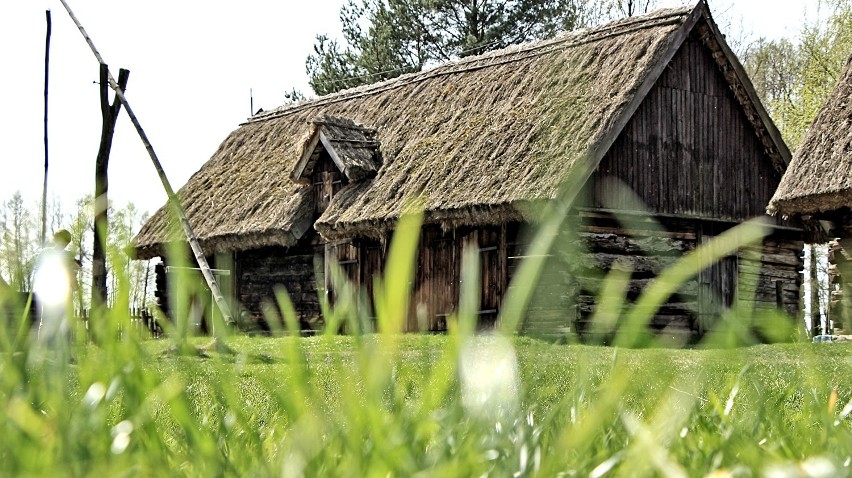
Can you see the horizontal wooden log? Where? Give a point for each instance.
(777, 240)
(551, 315)
(767, 249)
(752, 282)
(685, 322)
(787, 273)
(788, 259)
(605, 242)
(604, 261)
(635, 286)
(670, 308)
(638, 233)
(769, 296)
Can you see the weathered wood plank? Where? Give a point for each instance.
(635, 286)
(608, 241)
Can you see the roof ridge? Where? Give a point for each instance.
(493, 58)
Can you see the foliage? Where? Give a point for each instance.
(383, 39)
(123, 225)
(794, 77)
(627, 8)
(293, 96)
(20, 245)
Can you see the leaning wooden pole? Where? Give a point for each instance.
(44, 188)
(173, 199)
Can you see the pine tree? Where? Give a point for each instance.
(383, 39)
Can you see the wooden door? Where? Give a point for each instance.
(489, 242)
(444, 269)
(372, 262)
(435, 292)
(342, 254)
(717, 284)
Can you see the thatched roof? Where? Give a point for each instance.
(819, 178)
(474, 140)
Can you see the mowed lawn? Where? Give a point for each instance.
(430, 404)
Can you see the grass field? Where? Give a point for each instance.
(387, 404)
(430, 406)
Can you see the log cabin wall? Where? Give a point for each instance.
(646, 250)
(361, 260)
(436, 286)
(552, 310)
(694, 162)
(161, 291)
(436, 280)
(259, 272)
(762, 278)
(759, 278)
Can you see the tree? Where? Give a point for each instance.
(793, 78)
(628, 8)
(126, 275)
(18, 243)
(20, 246)
(80, 224)
(383, 39)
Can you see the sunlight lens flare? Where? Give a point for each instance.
(489, 376)
(52, 279)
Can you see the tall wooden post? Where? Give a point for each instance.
(109, 115)
(46, 71)
(816, 322)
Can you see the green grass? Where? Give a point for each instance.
(463, 404)
(349, 406)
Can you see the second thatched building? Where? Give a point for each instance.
(818, 186)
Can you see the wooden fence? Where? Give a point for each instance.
(141, 320)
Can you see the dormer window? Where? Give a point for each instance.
(336, 152)
(326, 180)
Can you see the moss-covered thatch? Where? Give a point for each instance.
(473, 140)
(819, 178)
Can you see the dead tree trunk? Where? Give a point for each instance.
(109, 114)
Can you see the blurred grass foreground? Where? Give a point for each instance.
(113, 402)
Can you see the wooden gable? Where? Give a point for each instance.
(352, 148)
(689, 150)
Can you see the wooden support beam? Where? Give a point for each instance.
(816, 321)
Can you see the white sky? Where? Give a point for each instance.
(191, 67)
